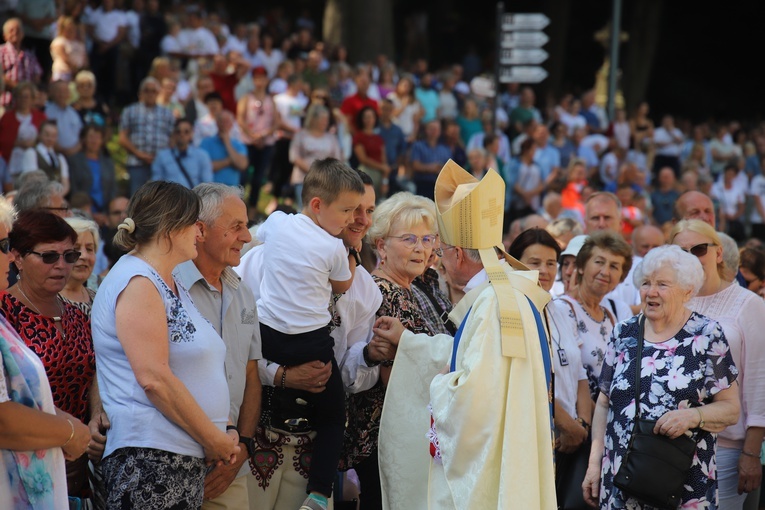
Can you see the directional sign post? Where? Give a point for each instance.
(520, 47)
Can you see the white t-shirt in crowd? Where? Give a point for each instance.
(729, 198)
(566, 356)
(235, 44)
(198, 41)
(299, 260)
(291, 108)
(673, 147)
(170, 44)
(271, 62)
(133, 22)
(106, 25)
(757, 189)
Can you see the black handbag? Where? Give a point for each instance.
(655, 467)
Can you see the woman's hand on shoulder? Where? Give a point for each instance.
(675, 423)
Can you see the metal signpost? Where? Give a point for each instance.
(520, 47)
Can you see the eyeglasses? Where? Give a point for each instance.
(699, 250)
(117, 213)
(51, 257)
(5, 245)
(410, 240)
(55, 208)
(440, 251)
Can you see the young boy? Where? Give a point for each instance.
(303, 264)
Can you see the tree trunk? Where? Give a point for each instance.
(641, 49)
(559, 12)
(365, 28)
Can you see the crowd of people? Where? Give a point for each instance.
(156, 362)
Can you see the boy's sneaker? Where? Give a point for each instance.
(314, 502)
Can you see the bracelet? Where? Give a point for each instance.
(70, 435)
(284, 377)
(232, 427)
(369, 361)
(755, 455)
(701, 419)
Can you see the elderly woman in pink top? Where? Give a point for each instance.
(741, 313)
(258, 119)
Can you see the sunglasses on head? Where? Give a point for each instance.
(699, 250)
(5, 245)
(51, 257)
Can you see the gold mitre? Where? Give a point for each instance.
(470, 214)
(469, 211)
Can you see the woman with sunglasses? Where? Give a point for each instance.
(741, 313)
(404, 234)
(35, 436)
(42, 245)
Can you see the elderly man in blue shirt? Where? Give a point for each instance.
(183, 164)
(228, 155)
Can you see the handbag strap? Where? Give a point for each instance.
(442, 314)
(638, 366)
(183, 168)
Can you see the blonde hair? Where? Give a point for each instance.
(64, 22)
(85, 76)
(7, 213)
(701, 228)
(402, 209)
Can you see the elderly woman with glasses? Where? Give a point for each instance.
(404, 234)
(58, 332)
(741, 313)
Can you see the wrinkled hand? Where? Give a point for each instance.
(222, 448)
(79, 442)
(220, 478)
(749, 473)
(98, 426)
(388, 329)
(311, 376)
(571, 439)
(591, 485)
(381, 350)
(675, 423)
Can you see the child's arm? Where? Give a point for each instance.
(342, 287)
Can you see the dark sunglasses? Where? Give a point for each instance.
(5, 245)
(51, 257)
(699, 250)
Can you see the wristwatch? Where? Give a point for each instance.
(370, 362)
(249, 443)
(356, 256)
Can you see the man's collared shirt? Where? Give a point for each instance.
(195, 161)
(17, 66)
(149, 129)
(68, 121)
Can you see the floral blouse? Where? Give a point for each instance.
(683, 372)
(365, 408)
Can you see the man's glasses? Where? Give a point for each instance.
(52, 209)
(5, 245)
(51, 257)
(411, 240)
(440, 251)
(699, 250)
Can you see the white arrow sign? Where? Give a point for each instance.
(523, 56)
(522, 74)
(535, 21)
(523, 39)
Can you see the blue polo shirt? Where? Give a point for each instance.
(195, 161)
(214, 147)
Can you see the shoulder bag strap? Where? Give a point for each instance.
(183, 169)
(638, 366)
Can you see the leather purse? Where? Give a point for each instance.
(287, 410)
(655, 467)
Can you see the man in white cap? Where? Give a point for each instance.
(487, 389)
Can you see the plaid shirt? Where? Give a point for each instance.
(428, 311)
(17, 65)
(149, 129)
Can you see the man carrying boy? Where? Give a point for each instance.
(295, 292)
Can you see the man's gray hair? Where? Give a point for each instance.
(35, 194)
(149, 80)
(731, 255)
(212, 195)
(686, 268)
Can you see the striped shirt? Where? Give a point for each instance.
(17, 66)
